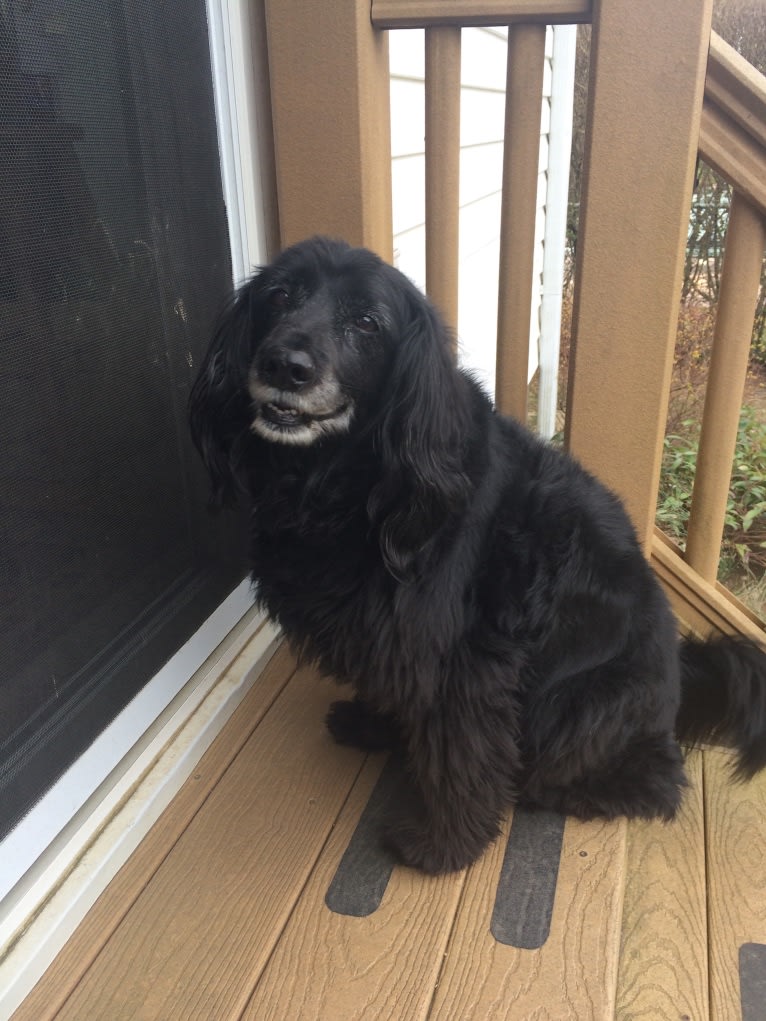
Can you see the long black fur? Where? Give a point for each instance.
(485, 597)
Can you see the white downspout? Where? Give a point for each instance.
(562, 97)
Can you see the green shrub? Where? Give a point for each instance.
(743, 549)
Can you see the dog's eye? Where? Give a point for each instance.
(367, 324)
(279, 298)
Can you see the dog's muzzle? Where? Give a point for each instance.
(299, 416)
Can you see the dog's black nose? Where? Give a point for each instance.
(287, 369)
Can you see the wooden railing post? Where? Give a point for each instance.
(647, 78)
(442, 115)
(523, 105)
(330, 103)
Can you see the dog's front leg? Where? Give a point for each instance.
(463, 769)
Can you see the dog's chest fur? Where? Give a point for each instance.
(314, 558)
(347, 611)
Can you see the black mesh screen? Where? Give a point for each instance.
(113, 262)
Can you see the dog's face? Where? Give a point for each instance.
(326, 341)
(325, 318)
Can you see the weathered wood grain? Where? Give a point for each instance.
(195, 940)
(384, 965)
(69, 967)
(663, 956)
(736, 849)
(572, 976)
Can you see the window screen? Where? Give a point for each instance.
(114, 260)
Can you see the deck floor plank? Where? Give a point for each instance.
(226, 889)
(69, 967)
(663, 970)
(736, 848)
(382, 966)
(572, 976)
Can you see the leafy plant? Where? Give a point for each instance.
(743, 549)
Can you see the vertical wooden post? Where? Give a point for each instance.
(330, 103)
(442, 109)
(523, 106)
(647, 78)
(740, 282)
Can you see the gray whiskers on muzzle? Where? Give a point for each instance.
(302, 417)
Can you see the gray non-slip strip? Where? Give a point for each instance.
(366, 866)
(752, 981)
(527, 885)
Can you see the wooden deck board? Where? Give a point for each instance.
(572, 976)
(663, 955)
(225, 890)
(220, 915)
(385, 965)
(69, 967)
(736, 851)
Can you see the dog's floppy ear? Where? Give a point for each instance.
(421, 439)
(219, 404)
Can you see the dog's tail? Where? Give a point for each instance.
(723, 698)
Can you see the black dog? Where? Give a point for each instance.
(486, 598)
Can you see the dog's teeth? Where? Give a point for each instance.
(282, 416)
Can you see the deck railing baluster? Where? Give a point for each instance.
(442, 118)
(523, 107)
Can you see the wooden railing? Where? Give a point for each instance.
(732, 141)
(656, 100)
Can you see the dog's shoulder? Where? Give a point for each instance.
(548, 494)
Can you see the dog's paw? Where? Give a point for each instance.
(413, 846)
(355, 724)
(342, 722)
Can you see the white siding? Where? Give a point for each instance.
(483, 73)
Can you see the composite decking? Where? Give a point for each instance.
(222, 912)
